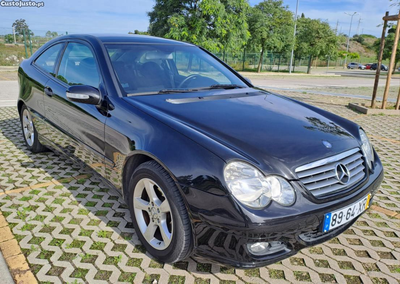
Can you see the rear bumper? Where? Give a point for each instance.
(227, 245)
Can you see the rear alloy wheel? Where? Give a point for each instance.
(29, 131)
(159, 214)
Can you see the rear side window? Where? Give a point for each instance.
(48, 59)
(78, 66)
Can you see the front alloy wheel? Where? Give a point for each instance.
(159, 214)
(153, 214)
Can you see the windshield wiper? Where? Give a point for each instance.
(171, 91)
(224, 86)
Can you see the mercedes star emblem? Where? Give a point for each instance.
(342, 174)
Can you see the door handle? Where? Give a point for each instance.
(48, 91)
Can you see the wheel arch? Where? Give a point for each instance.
(133, 162)
(19, 105)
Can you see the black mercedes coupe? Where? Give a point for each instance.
(209, 165)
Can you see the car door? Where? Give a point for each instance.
(34, 82)
(76, 128)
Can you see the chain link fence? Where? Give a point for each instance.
(276, 62)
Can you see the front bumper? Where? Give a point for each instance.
(227, 244)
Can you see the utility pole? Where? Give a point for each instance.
(358, 27)
(15, 41)
(294, 37)
(348, 37)
(337, 25)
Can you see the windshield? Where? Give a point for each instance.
(144, 69)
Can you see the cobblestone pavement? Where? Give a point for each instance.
(72, 228)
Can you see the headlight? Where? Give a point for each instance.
(251, 188)
(367, 148)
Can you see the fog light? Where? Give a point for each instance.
(265, 248)
(258, 248)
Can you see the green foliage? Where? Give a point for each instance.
(387, 51)
(51, 34)
(359, 39)
(213, 24)
(19, 26)
(9, 38)
(271, 27)
(315, 38)
(354, 55)
(137, 32)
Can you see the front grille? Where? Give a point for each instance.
(320, 177)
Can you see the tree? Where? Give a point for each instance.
(213, 24)
(19, 26)
(387, 51)
(48, 34)
(354, 55)
(271, 27)
(9, 38)
(314, 38)
(358, 38)
(137, 32)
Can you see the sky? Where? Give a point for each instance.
(122, 16)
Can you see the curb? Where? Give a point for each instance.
(13, 256)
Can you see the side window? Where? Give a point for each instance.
(47, 60)
(78, 66)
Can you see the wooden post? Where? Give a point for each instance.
(378, 67)
(391, 64)
(398, 101)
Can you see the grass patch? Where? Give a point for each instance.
(255, 272)
(98, 246)
(76, 244)
(205, 267)
(101, 213)
(79, 273)
(102, 275)
(155, 264)
(136, 262)
(175, 279)
(316, 250)
(104, 234)
(127, 277)
(321, 263)
(56, 242)
(150, 278)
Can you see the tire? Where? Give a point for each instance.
(151, 177)
(29, 131)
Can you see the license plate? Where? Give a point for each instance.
(342, 216)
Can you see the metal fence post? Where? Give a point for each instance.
(244, 57)
(26, 49)
(279, 63)
(30, 41)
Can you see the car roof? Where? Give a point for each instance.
(123, 38)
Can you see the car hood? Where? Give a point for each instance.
(267, 128)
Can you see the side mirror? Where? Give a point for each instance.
(248, 80)
(84, 94)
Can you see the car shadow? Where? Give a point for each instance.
(65, 197)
